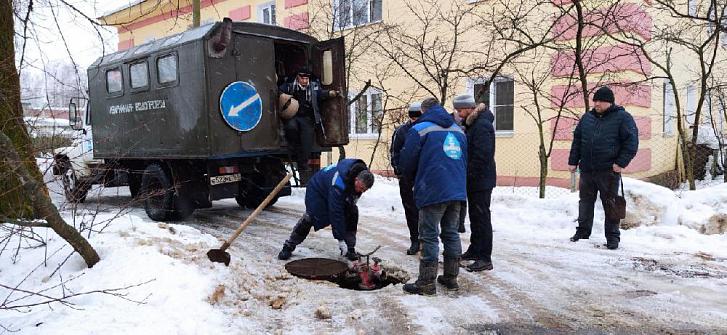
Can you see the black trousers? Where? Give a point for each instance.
(480, 224)
(406, 190)
(300, 232)
(606, 183)
(300, 133)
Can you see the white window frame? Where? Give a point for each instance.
(470, 86)
(337, 4)
(370, 134)
(270, 6)
(669, 109)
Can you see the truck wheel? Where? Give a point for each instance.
(74, 190)
(252, 196)
(158, 193)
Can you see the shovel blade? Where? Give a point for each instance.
(219, 256)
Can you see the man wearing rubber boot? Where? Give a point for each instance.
(330, 199)
(435, 155)
(604, 143)
(481, 179)
(406, 185)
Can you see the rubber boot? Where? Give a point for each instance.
(451, 270)
(285, 253)
(414, 248)
(424, 285)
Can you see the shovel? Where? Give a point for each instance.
(222, 256)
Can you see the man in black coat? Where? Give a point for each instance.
(604, 143)
(406, 185)
(481, 179)
(300, 129)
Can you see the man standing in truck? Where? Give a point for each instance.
(300, 129)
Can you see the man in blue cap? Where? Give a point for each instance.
(435, 156)
(330, 200)
(406, 185)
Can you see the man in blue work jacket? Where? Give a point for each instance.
(435, 156)
(330, 200)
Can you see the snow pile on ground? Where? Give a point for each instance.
(168, 276)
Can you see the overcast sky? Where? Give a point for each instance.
(46, 41)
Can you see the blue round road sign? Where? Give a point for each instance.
(241, 106)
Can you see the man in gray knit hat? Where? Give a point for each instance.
(481, 179)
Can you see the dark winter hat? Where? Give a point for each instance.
(304, 72)
(604, 94)
(464, 101)
(366, 177)
(415, 109)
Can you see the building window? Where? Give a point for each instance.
(139, 74)
(500, 98)
(692, 7)
(669, 109)
(266, 13)
(367, 113)
(114, 83)
(691, 109)
(167, 69)
(353, 13)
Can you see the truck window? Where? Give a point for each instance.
(113, 81)
(139, 73)
(167, 69)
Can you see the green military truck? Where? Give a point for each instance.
(194, 117)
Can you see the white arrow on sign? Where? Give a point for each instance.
(235, 110)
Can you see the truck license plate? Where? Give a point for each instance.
(224, 179)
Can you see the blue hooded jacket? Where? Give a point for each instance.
(327, 195)
(601, 140)
(435, 156)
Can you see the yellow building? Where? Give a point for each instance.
(367, 24)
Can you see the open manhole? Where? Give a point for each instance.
(358, 276)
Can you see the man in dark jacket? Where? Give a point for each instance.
(481, 179)
(330, 200)
(435, 155)
(406, 185)
(604, 142)
(300, 130)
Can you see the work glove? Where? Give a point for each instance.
(343, 247)
(333, 93)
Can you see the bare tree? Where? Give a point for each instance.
(24, 199)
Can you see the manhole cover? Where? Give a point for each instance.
(316, 268)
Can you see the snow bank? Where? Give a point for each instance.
(147, 257)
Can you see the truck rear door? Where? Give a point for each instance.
(254, 65)
(329, 61)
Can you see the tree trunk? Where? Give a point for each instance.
(12, 201)
(195, 13)
(543, 170)
(22, 191)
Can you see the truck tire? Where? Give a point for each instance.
(74, 189)
(251, 195)
(157, 191)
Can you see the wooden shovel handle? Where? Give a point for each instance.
(257, 211)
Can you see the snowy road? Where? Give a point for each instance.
(541, 281)
(665, 278)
